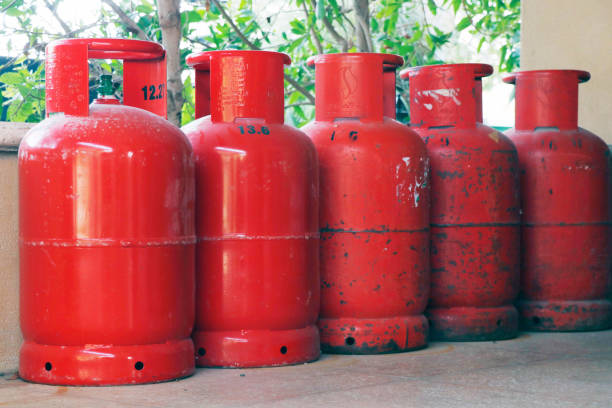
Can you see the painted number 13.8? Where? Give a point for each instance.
(251, 130)
(152, 92)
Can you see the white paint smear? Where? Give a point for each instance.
(436, 94)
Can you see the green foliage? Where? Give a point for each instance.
(22, 90)
(410, 28)
(493, 20)
(188, 112)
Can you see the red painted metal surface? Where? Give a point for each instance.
(475, 206)
(374, 209)
(566, 226)
(107, 237)
(257, 275)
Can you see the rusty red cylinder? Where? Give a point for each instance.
(374, 209)
(107, 234)
(257, 296)
(566, 268)
(475, 206)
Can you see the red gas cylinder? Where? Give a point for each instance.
(106, 226)
(475, 206)
(374, 209)
(566, 232)
(257, 279)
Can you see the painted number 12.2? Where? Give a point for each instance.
(152, 92)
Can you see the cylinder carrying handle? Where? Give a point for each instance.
(67, 73)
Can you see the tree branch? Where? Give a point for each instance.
(313, 33)
(200, 42)
(169, 15)
(298, 104)
(252, 46)
(84, 28)
(362, 19)
(427, 25)
(41, 46)
(127, 20)
(8, 6)
(59, 35)
(300, 88)
(470, 17)
(53, 9)
(344, 45)
(229, 21)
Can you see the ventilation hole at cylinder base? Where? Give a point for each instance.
(48, 366)
(349, 341)
(202, 351)
(535, 320)
(284, 350)
(139, 365)
(498, 322)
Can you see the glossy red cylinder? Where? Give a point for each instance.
(374, 209)
(566, 268)
(257, 189)
(107, 234)
(475, 206)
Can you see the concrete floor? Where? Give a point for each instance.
(535, 370)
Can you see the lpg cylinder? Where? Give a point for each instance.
(257, 279)
(107, 239)
(566, 229)
(374, 209)
(475, 206)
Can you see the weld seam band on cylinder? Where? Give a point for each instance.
(482, 224)
(314, 235)
(87, 243)
(567, 224)
(373, 231)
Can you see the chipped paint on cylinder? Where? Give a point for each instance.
(475, 206)
(374, 209)
(107, 238)
(566, 269)
(257, 297)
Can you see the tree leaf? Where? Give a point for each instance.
(335, 6)
(194, 16)
(430, 42)
(456, 5)
(464, 23)
(432, 6)
(295, 44)
(144, 9)
(13, 12)
(294, 97)
(482, 40)
(11, 78)
(502, 57)
(416, 36)
(300, 112)
(321, 9)
(297, 27)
